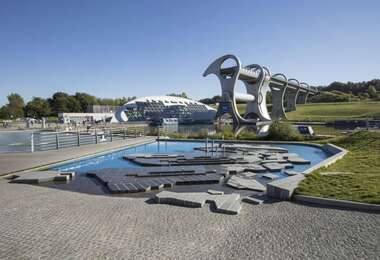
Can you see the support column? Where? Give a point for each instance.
(278, 94)
(302, 97)
(304, 93)
(259, 89)
(290, 97)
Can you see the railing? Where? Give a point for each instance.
(42, 141)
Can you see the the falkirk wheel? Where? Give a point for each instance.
(286, 93)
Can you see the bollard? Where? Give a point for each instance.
(57, 140)
(96, 137)
(206, 145)
(78, 137)
(125, 134)
(32, 142)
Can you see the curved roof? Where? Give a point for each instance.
(168, 101)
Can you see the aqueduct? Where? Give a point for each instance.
(258, 81)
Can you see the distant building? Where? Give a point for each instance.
(102, 109)
(160, 108)
(80, 118)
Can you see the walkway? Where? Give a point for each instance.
(15, 162)
(43, 223)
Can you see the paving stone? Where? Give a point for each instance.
(291, 172)
(215, 192)
(252, 200)
(270, 176)
(240, 182)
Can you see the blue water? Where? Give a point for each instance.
(115, 160)
(15, 141)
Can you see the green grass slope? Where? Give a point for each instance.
(331, 111)
(335, 111)
(360, 171)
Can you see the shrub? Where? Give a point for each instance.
(283, 132)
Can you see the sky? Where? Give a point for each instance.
(138, 48)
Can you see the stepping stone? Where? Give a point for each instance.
(227, 203)
(70, 174)
(287, 155)
(245, 183)
(274, 167)
(248, 175)
(61, 178)
(215, 192)
(252, 200)
(255, 168)
(36, 177)
(270, 176)
(274, 161)
(291, 172)
(298, 160)
(235, 169)
(287, 165)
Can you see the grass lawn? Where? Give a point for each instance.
(331, 111)
(335, 111)
(360, 178)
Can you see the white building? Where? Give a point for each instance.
(157, 108)
(80, 118)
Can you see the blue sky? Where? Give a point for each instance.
(138, 48)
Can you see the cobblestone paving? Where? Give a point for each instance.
(44, 223)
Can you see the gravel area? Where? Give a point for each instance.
(46, 223)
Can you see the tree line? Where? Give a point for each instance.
(346, 92)
(40, 107)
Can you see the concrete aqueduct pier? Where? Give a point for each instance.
(286, 93)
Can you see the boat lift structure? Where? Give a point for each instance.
(286, 93)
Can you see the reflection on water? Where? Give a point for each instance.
(259, 130)
(15, 141)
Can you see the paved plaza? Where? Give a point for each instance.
(44, 223)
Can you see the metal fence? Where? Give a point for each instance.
(42, 141)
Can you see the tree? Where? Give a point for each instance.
(73, 105)
(37, 108)
(15, 106)
(183, 95)
(372, 92)
(62, 102)
(58, 102)
(85, 100)
(4, 112)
